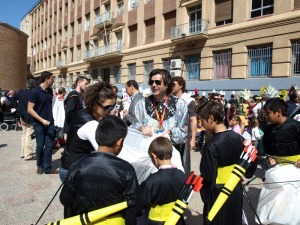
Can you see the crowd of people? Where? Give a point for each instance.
(95, 122)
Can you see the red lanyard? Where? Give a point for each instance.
(160, 119)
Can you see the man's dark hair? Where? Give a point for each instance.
(116, 88)
(211, 108)
(161, 147)
(61, 90)
(166, 76)
(80, 78)
(180, 81)
(31, 83)
(45, 75)
(109, 130)
(132, 83)
(274, 104)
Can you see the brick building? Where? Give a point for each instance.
(13, 58)
(222, 44)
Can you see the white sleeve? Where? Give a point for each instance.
(88, 132)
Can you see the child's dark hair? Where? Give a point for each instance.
(161, 147)
(110, 129)
(274, 104)
(211, 108)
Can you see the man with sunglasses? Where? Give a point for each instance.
(162, 113)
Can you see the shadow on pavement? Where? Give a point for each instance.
(193, 217)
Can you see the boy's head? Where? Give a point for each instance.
(276, 108)
(111, 132)
(160, 149)
(211, 113)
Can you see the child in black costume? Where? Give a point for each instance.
(100, 179)
(161, 189)
(219, 155)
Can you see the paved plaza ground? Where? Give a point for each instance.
(24, 195)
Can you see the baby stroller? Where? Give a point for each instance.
(10, 121)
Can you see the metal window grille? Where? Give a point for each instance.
(222, 65)
(148, 67)
(260, 61)
(166, 64)
(192, 65)
(117, 74)
(132, 71)
(296, 58)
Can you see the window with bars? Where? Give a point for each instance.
(71, 79)
(148, 67)
(260, 61)
(261, 7)
(222, 64)
(87, 22)
(296, 58)
(192, 65)
(78, 52)
(117, 74)
(120, 7)
(131, 71)
(166, 64)
(79, 26)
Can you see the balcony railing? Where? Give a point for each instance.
(101, 51)
(189, 29)
(106, 17)
(61, 63)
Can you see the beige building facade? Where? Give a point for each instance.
(214, 44)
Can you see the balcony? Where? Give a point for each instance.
(62, 64)
(193, 30)
(105, 52)
(105, 19)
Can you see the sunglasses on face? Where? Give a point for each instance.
(107, 108)
(157, 82)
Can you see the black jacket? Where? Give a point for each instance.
(75, 147)
(97, 181)
(22, 98)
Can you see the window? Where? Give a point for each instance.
(95, 74)
(166, 64)
(260, 61)
(45, 44)
(66, 9)
(71, 55)
(192, 65)
(117, 74)
(222, 64)
(296, 58)
(60, 35)
(133, 36)
(120, 8)
(54, 38)
(150, 30)
(87, 22)
(78, 52)
(133, 4)
(77, 74)
(195, 19)
(131, 71)
(119, 41)
(79, 26)
(170, 21)
(70, 79)
(148, 67)
(261, 7)
(223, 12)
(66, 33)
(72, 30)
(296, 4)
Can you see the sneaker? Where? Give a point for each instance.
(40, 171)
(31, 158)
(53, 171)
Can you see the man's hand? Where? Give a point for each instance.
(192, 143)
(147, 131)
(125, 112)
(45, 123)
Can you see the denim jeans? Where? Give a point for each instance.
(63, 173)
(44, 142)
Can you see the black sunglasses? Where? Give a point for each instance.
(107, 108)
(157, 82)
